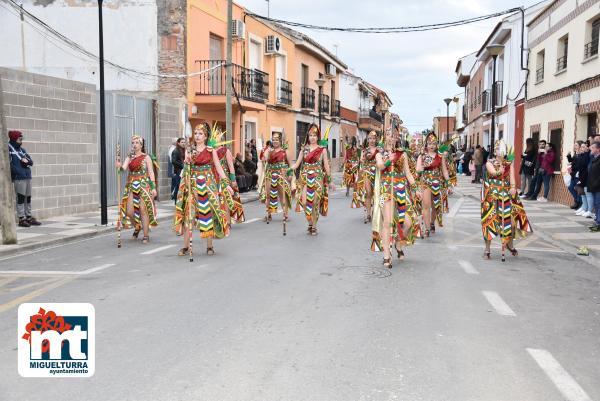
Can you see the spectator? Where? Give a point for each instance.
(244, 180)
(177, 162)
(478, 161)
(20, 174)
(467, 158)
(170, 154)
(527, 169)
(548, 167)
(536, 184)
(587, 198)
(250, 168)
(458, 160)
(253, 151)
(593, 182)
(573, 172)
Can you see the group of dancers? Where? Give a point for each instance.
(403, 190)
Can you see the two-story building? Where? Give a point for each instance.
(564, 86)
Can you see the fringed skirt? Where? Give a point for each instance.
(432, 180)
(350, 172)
(233, 202)
(501, 214)
(312, 178)
(138, 188)
(395, 187)
(277, 176)
(204, 206)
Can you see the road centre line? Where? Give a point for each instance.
(563, 381)
(156, 250)
(55, 272)
(455, 208)
(498, 303)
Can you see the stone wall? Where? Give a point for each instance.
(58, 121)
(169, 127)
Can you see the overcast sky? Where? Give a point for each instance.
(415, 69)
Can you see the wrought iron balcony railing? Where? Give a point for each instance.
(247, 84)
(307, 98)
(284, 92)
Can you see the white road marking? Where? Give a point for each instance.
(498, 303)
(467, 267)
(559, 376)
(520, 249)
(56, 272)
(456, 207)
(156, 250)
(252, 220)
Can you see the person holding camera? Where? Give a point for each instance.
(20, 174)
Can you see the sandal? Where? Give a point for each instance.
(314, 231)
(387, 263)
(183, 252)
(210, 251)
(400, 252)
(310, 229)
(513, 251)
(145, 239)
(432, 228)
(136, 232)
(487, 255)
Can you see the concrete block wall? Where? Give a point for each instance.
(168, 127)
(58, 121)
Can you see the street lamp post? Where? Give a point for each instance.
(320, 82)
(447, 101)
(103, 181)
(494, 50)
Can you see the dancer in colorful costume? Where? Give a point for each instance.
(433, 174)
(199, 204)
(278, 176)
(232, 201)
(315, 177)
(502, 213)
(367, 173)
(351, 161)
(137, 204)
(394, 218)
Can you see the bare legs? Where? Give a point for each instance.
(428, 213)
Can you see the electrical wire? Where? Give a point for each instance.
(399, 29)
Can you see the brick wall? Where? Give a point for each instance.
(58, 121)
(171, 24)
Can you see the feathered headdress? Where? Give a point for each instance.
(446, 145)
(501, 149)
(325, 140)
(431, 139)
(215, 138)
(281, 138)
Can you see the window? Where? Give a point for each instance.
(592, 124)
(304, 76)
(334, 148)
(536, 138)
(591, 47)
(539, 69)
(563, 49)
(301, 131)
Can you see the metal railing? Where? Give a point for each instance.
(499, 98)
(370, 113)
(561, 63)
(324, 104)
(284, 92)
(248, 84)
(486, 99)
(539, 74)
(590, 49)
(335, 108)
(307, 98)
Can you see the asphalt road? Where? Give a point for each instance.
(316, 318)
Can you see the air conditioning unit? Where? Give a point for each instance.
(273, 45)
(238, 29)
(330, 70)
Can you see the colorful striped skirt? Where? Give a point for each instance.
(138, 188)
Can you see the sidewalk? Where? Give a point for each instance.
(555, 223)
(63, 229)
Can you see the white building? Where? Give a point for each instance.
(564, 85)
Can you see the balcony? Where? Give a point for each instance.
(335, 108)
(499, 94)
(252, 85)
(324, 104)
(590, 49)
(539, 75)
(307, 98)
(369, 120)
(284, 92)
(561, 64)
(486, 99)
